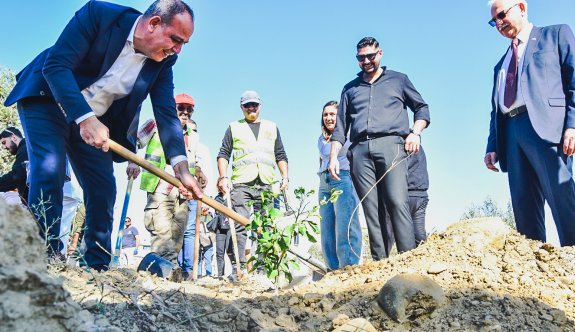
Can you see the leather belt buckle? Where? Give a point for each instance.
(516, 111)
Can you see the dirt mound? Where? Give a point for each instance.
(493, 280)
(30, 298)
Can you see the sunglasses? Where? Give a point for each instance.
(250, 105)
(501, 15)
(183, 108)
(370, 57)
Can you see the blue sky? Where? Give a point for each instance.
(299, 54)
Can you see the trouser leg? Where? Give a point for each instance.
(327, 224)
(417, 206)
(388, 154)
(363, 174)
(95, 173)
(526, 193)
(47, 134)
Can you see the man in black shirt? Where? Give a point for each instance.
(12, 140)
(372, 110)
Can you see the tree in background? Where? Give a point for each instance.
(489, 208)
(8, 115)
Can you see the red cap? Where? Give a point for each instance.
(183, 98)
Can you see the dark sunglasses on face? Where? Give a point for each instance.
(250, 105)
(501, 15)
(183, 108)
(362, 57)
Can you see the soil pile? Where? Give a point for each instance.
(30, 298)
(492, 277)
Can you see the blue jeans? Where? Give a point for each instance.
(206, 255)
(335, 217)
(186, 255)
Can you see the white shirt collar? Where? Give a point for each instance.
(524, 34)
(130, 38)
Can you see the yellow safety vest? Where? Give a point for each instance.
(155, 155)
(253, 157)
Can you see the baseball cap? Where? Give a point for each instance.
(183, 98)
(249, 97)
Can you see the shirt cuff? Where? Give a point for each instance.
(177, 159)
(84, 117)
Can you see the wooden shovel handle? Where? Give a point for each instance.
(129, 155)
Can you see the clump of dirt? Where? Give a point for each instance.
(493, 279)
(30, 298)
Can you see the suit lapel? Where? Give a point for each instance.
(118, 36)
(498, 78)
(531, 47)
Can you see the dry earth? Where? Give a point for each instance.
(493, 280)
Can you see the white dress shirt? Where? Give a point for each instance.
(523, 37)
(118, 81)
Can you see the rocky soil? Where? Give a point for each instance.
(491, 278)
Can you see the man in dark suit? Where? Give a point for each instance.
(11, 139)
(532, 129)
(89, 87)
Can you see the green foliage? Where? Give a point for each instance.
(274, 241)
(489, 208)
(8, 115)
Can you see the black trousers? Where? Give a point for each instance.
(224, 245)
(370, 160)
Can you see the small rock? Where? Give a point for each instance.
(339, 320)
(356, 325)
(293, 301)
(558, 316)
(455, 324)
(285, 321)
(283, 311)
(408, 296)
(328, 302)
(547, 317)
(257, 315)
(436, 268)
(310, 298)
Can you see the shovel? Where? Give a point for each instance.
(115, 263)
(129, 155)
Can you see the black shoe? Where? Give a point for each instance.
(56, 257)
(187, 276)
(100, 267)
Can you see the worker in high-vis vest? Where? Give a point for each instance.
(255, 147)
(166, 212)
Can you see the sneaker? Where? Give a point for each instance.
(233, 278)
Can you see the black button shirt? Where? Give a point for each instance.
(378, 109)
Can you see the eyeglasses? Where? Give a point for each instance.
(188, 109)
(501, 15)
(370, 57)
(250, 105)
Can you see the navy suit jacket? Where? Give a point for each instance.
(548, 87)
(86, 49)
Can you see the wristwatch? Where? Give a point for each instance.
(417, 133)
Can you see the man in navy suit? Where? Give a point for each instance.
(89, 87)
(532, 129)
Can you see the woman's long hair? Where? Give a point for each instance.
(326, 132)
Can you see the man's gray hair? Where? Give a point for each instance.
(167, 9)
